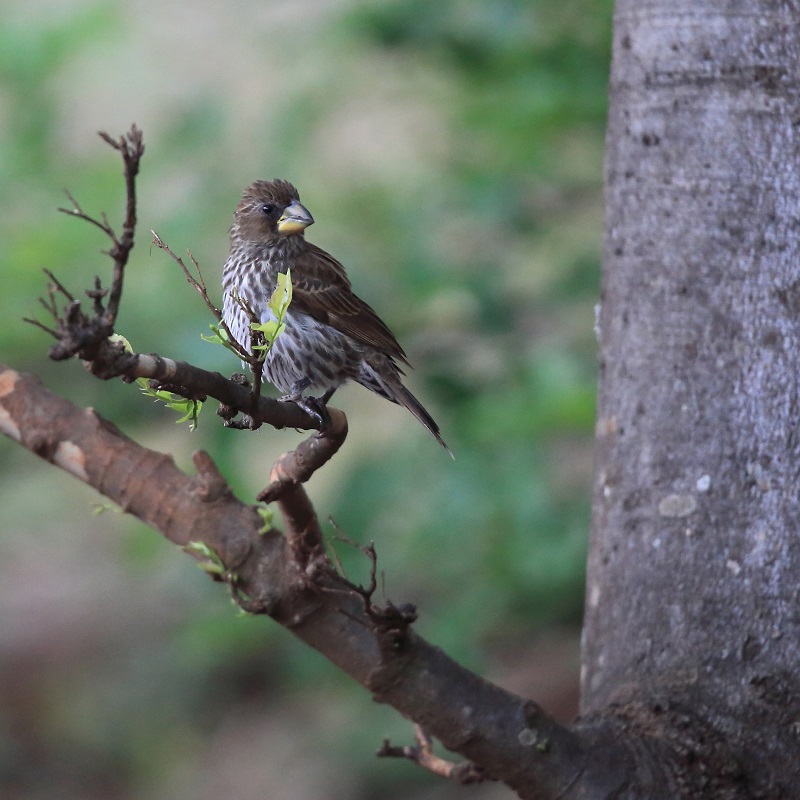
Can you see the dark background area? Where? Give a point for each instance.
(451, 154)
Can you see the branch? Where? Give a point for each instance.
(298, 465)
(422, 754)
(131, 147)
(199, 285)
(509, 737)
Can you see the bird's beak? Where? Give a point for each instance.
(294, 219)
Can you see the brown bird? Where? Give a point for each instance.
(331, 334)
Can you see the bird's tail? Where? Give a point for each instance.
(384, 379)
(405, 398)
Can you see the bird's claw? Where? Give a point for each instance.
(315, 407)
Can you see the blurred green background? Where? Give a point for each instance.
(451, 154)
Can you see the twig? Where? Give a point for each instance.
(391, 622)
(422, 754)
(59, 286)
(199, 285)
(77, 333)
(77, 211)
(131, 147)
(36, 323)
(366, 592)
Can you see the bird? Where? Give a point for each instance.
(331, 336)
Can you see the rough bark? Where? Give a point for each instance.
(692, 621)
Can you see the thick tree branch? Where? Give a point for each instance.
(510, 738)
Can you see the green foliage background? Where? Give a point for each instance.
(451, 154)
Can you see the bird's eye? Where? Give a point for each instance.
(267, 208)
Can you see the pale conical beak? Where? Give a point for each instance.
(294, 219)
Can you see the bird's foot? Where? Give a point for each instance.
(315, 407)
(296, 393)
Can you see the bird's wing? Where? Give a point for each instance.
(321, 289)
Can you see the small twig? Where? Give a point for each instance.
(390, 620)
(77, 211)
(200, 284)
(422, 754)
(334, 555)
(49, 305)
(32, 321)
(58, 285)
(366, 592)
(97, 295)
(199, 271)
(131, 147)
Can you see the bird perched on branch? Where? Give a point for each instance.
(331, 334)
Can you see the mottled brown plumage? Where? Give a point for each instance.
(331, 334)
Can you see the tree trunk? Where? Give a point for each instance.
(693, 615)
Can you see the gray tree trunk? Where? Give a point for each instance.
(693, 594)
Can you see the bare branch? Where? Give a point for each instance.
(77, 211)
(131, 147)
(36, 323)
(422, 754)
(58, 285)
(391, 621)
(78, 333)
(199, 285)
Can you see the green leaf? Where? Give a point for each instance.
(212, 564)
(190, 414)
(278, 305)
(183, 405)
(282, 296)
(266, 515)
(190, 409)
(118, 337)
(219, 336)
(101, 508)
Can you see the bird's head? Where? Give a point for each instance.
(270, 210)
